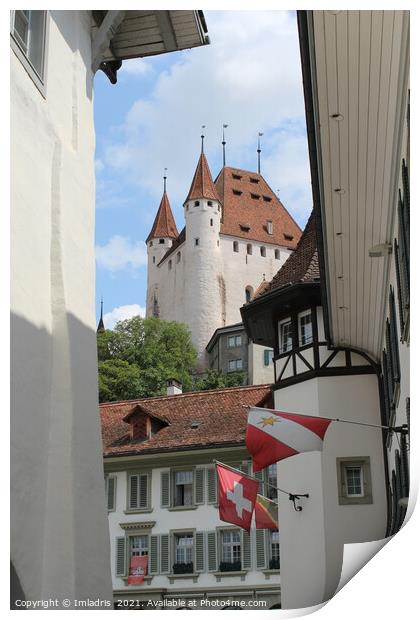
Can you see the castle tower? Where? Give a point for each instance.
(159, 240)
(205, 291)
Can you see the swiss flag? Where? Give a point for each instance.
(237, 494)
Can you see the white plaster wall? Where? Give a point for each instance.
(312, 540)
(203, 518)
(257, 372)
(155, 251)
(58, 526)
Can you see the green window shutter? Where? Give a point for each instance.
(164, 489)
(153, 555)
(199, 552)
(133, 491)
(246, 550)
(211, 486)
(120, 557)
(164, 553)
(143, 484)
(260, 548)
(267, 357)
(199, 485)
(111, 486)
(211, 552)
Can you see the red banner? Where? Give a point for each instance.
(138, 570)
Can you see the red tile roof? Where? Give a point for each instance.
(301, 266)
(164, 224)
(220, 414)
(248, 200)
(202, 185)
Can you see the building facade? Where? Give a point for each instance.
(59, 531)
(236, 233)
(161, 487)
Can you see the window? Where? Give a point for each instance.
(235, 246)
(170, 265)
(161, 241)
(139, 545)
(231, 547)
(354, 480)
(288, 237)
(138, 491)
(267, 198)
(274, 551)
(249, 248)
(249, 291)
(154, 259)
(211, 221)
(286, 341)
(150, 243)
(234, 341)
(263, 251)
(209, 203)
(196, 241)
(28, 30)
(268, 355)
(305, 328)
(183, 488)
(178, 257)
(271, 477)
(110, 491)
(184, 545)
(255, 196)
(253, 180)
(234, 365)
(236, 176)
(269, 227)
(237, 192)
(197, 203)
(277, 254)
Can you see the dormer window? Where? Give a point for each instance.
(255, 196)
(269, 227)
(285, 335)
(253, 180)
(267, 198)
(305, 328)
(237, 192)
(236, 176)
(245, 227)
(288, 237)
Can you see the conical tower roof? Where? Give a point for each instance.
(164, 224)
(101, 327)
(202, 185)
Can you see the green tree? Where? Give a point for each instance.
(215, 379)
(153, 351)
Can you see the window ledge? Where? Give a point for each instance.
(233, 573)
(270, 571)
(147, 580)
(132, 511)
(175, 508)
(172, 577)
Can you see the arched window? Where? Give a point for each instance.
(211, 221)
(249, 291)
(235, 246)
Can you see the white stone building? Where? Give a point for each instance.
(59, 531)
(162, 500)
(337, 313)
(236, 234)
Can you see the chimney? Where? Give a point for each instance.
(173, 387)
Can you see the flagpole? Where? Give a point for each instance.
(397, 429)
(239, 471)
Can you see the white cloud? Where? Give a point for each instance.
(135, 66)
(121, 253)
(249, 77)
(121, 313)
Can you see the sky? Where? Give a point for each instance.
(249, 78)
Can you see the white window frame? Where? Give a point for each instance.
(238, 365)
(143, 550)
(176, 484)
(347, 468)
(22, 50)
(237, 341)
(230, 545)
(303, 315)
(282, 324)
(352, 462)
(273, 545)
(187, 548)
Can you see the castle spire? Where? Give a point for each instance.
(202, 185)
(164, 224)
(259, 152)
(101, 326)
(224, 145)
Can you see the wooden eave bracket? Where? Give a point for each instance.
(103, 36)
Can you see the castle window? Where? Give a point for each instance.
(267, 198)
(235, 246)
(28, 31)
(154, 259)
(277, 254)
(305, 328)
(218, 243)
(354, 480)
(253, 180)
(161, 240)
(263, 251)
(196, 241)
(170, 265)
(269, 227)
(197, 203)
(211, 221)
(288, 237)
(249, 248)
(236, 176)
(150, 243)
(178, 257)
(249, 291)
(255, 196)
(286, 342)
(209, 203)
(237, 192)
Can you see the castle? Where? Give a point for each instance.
(237, 234)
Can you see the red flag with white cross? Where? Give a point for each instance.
(237, 495)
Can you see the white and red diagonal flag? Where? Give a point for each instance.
(237, 495)
(274, 435)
